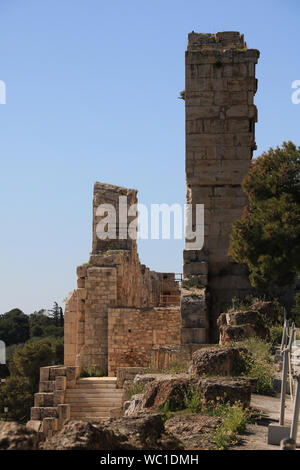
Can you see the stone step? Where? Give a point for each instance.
(96, 386)
(95, 390)
(93, 397)
(97, 381)
(96, 393)
(76, 399)
(91, 409)
(95, 403)
(86, 414)
(89, 418)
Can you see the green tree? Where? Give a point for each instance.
(14, 327)
(267, 237)
(43, 325)
(16, 395)
(57, 314)
(26, 361)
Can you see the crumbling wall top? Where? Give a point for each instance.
(217, 41)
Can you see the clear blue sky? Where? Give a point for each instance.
(92, 91)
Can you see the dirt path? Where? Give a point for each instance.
(256, 435)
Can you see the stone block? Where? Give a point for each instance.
(82, 271)
(240, 110)
(195, 268)
(72, 372)
(80, 282)
(199, 112)
(49, 425)
(44, 374)
(35, 413)
(34, 425)
(47, 386)
(43, 399)
(48, 412)
(64, 412)
(276, 433)
(58, 397)
(56, 371)
(193, 335)
(81, 293)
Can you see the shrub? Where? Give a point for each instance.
(259, 364)
(91, 371)
(16, 395)
(296, 311)
(193, 401)
(234, 420)
(26, 361)
(276, 335)
(134, 389)
(176, 367)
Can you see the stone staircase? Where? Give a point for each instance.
(94, 398)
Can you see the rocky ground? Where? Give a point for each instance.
(148, 431)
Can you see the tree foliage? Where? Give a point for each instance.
(14, 327)
(26, 361)
(44, 325)
(267, 237)
(16, 395)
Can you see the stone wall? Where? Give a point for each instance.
(220, 121)
(50, 411)
(113, 277)
(133, 333)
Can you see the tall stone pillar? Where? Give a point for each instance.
(98, 280)
(220, 121)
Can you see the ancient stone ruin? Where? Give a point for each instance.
(121, 310)
(220, 120)
(124, 315)
(117, 315)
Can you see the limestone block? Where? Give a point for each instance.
(203, 98)
(43, 399)
(56, 371)
(72, 372)
(47, 386)
(64, 413)
(244, 140)
(195, 255)
(49, 412)
(44, 374)
(80, 282)
(35, 413)
(58, 397)
(197, 57)
(197, 280)
(61, 383)
(215, 126)
(49, 425)
(238, 125)
(81, 293)
(222, 98)
(240, 110)
(193, 335)
(195, 268)
(34, 425)
(81, 271)
(198, 112)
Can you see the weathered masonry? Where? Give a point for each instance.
(121, 310)
(122, 314)
(220, 85)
